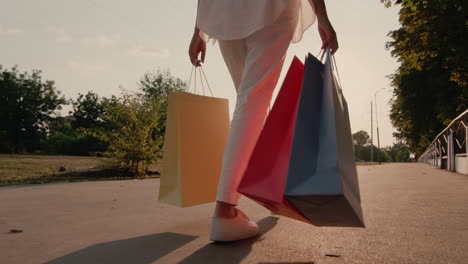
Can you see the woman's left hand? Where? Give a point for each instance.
(197, 46)
(328, 34)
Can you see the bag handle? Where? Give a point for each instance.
(202, 74)
(320, 52)
(332, 61)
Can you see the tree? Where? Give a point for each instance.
(157, 86)
(361, 141)
(362, 148)
(399, 152)
(27, 104)
(131, 136)
(431, 83)
(135, 124)
(66, 140)
(86, 119)
(361, 138)
(87, 111)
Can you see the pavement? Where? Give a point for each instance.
(414, 213)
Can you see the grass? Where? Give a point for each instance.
(23, 169)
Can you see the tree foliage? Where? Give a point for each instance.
(157, 86)
(76, 135)
(132, 140)
(399, 152)
(87, 111)
(361, 138)
(361, 141)
(27, 104)
(431, 83)
(135, 123)
(67, 140)
(129, 129)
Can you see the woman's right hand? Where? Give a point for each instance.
(197, 46)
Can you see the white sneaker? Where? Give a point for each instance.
(231, 229)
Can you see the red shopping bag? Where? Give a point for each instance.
(265, 178)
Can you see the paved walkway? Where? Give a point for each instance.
(414, 214)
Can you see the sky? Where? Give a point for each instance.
(106, 45)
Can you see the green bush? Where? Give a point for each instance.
(133, 122)
(68, 141)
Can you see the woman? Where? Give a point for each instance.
(253, 37)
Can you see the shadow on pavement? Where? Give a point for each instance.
(233, 252)
(138, 250)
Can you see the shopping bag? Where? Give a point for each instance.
(264, 179)
(303, 164)
(197, 127)
(322, 178)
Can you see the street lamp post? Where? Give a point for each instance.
(377, 124)
(371, 133)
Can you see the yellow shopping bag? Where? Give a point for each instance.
(197, 127)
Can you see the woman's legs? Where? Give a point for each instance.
(234, 54)
(255, 65)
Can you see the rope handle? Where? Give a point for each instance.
(335, 67)
(321, 52)
(332, 62)
(202, 74)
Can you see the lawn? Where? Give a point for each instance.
(22, 169)
(18, 169)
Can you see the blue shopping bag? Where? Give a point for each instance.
(322, 180)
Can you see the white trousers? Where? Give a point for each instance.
(255, 64)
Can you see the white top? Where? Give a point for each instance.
(236, 19)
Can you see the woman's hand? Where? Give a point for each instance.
(328, 35)
(197, 46)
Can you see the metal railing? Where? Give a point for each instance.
(449, 149)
